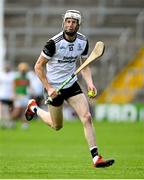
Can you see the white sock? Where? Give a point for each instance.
(94, 153)
(95, 159)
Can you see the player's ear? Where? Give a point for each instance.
(77, 27)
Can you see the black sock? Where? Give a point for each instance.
(94, 152)
(35, 110)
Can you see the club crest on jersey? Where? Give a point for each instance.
(79, 47)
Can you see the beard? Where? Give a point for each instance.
(70, 33)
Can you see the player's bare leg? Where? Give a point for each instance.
(79, 103)
(53, 118)
(56, 115)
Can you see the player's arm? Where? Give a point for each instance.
(14, 88)
(40, 70)
(87, 76)
(86, 72)
(40, 67)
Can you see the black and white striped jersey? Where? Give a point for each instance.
(62, 56)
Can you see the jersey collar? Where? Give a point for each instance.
(67, 39)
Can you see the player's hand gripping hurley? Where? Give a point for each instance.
(95, 54)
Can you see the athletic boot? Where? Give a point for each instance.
(31, 109)
(103, 163)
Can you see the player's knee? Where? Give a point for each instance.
(87, 118)
(57, 127)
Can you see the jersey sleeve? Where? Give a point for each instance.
(49, 49)
(85, 52)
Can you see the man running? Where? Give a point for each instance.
(59, 57)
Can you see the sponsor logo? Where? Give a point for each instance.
(66, 59)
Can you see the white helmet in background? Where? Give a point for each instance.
(74, 14)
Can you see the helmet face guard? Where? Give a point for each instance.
(74, 14)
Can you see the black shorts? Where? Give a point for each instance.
(7, 102)
(66, 93)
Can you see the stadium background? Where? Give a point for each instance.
(118, 23)
(119, 78)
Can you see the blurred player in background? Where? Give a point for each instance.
(59, 57)
(37, 88)
(21, 87)
(6, 97)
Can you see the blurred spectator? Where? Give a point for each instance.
(6, 97)
(37, 87)
(21, 87)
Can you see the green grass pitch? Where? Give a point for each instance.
(42, 153)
